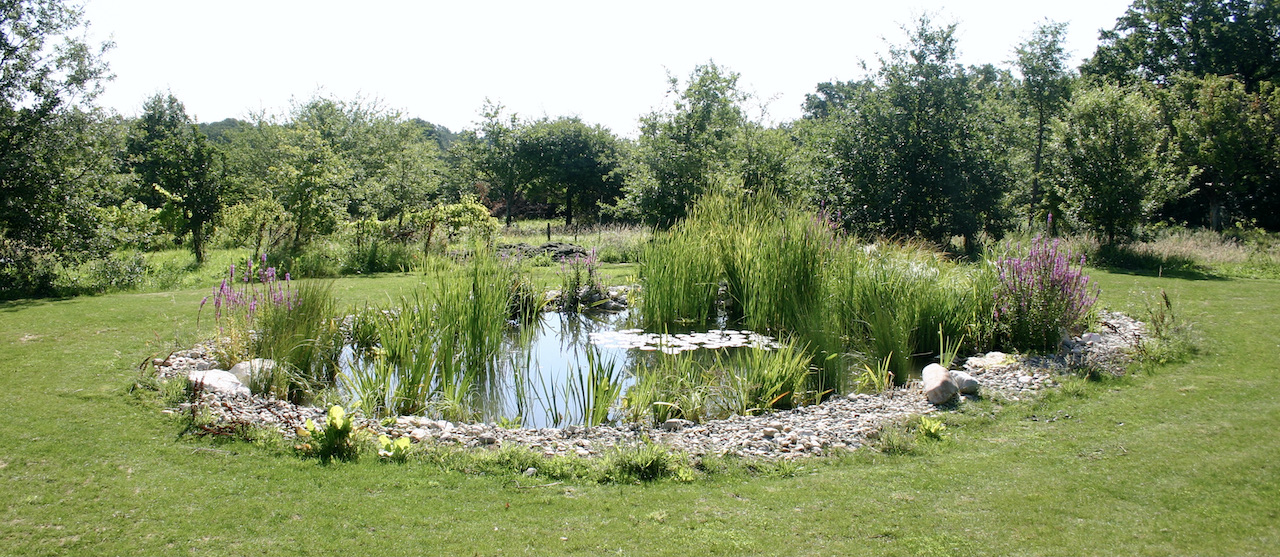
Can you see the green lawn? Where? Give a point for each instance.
(1179, 460)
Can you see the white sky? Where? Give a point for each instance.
(604, 61)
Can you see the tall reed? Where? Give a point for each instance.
(679, 278)
(893, 303)
(595, 389)
(438, 352)
(757, 380)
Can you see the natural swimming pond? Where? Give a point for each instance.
(562, 368)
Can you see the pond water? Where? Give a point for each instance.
(542, 364)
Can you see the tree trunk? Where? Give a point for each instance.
(197, 242)
(568, 210)
(1215, 215)
(1035, 174)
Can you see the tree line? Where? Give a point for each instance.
(1173, 119)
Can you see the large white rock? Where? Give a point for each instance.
(938, 385)
(244, 371)
(967, 384)
(219, 381)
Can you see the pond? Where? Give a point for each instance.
(547, 369)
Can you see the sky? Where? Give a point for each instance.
(606, 62)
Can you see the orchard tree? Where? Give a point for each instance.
(1156, 39)
(307, 179)
(1229, 136)
(1116, 168)
(492, 153)
(1044, 90)
(689, 149)
(573, 163)
(907, 153)
(177, 168)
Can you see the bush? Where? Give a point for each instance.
(26, 270)
(1041, 296)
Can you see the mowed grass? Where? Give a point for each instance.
(1180, 459)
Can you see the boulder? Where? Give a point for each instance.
(938, 385)
(967, 384)
(559, 251)
(244, 371)
(219, 381)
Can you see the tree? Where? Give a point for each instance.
(307, 179)
(178, 168)
(689, 149)
(1116, 170)
(1042, 61)
(574, 163)
(493, 153)
(1227, 136)
(55, 152)
(906, 154)
(1156, 39)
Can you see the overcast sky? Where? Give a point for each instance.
(603, 61)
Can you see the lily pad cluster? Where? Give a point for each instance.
(627, 339)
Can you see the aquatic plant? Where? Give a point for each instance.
(1042, 295)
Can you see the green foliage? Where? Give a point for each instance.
(304, 338)
(131, 225)
(908, 152)
(676, 387)
(1226, 140)
(759, 380)
(1156, 39)
(393, 451)
(596, 389)
(689, 150)
(177, 168)
(1044, 91)
(895, 302)
(641, 462)
(875, 380)
(438, 347)
(59, 157)
(260, 224)
(306, 177)
(1117, 170)
(932, 428)
(1169, 336)
(333, 441)
(571, 164)
(579, 280)
(452, 220)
